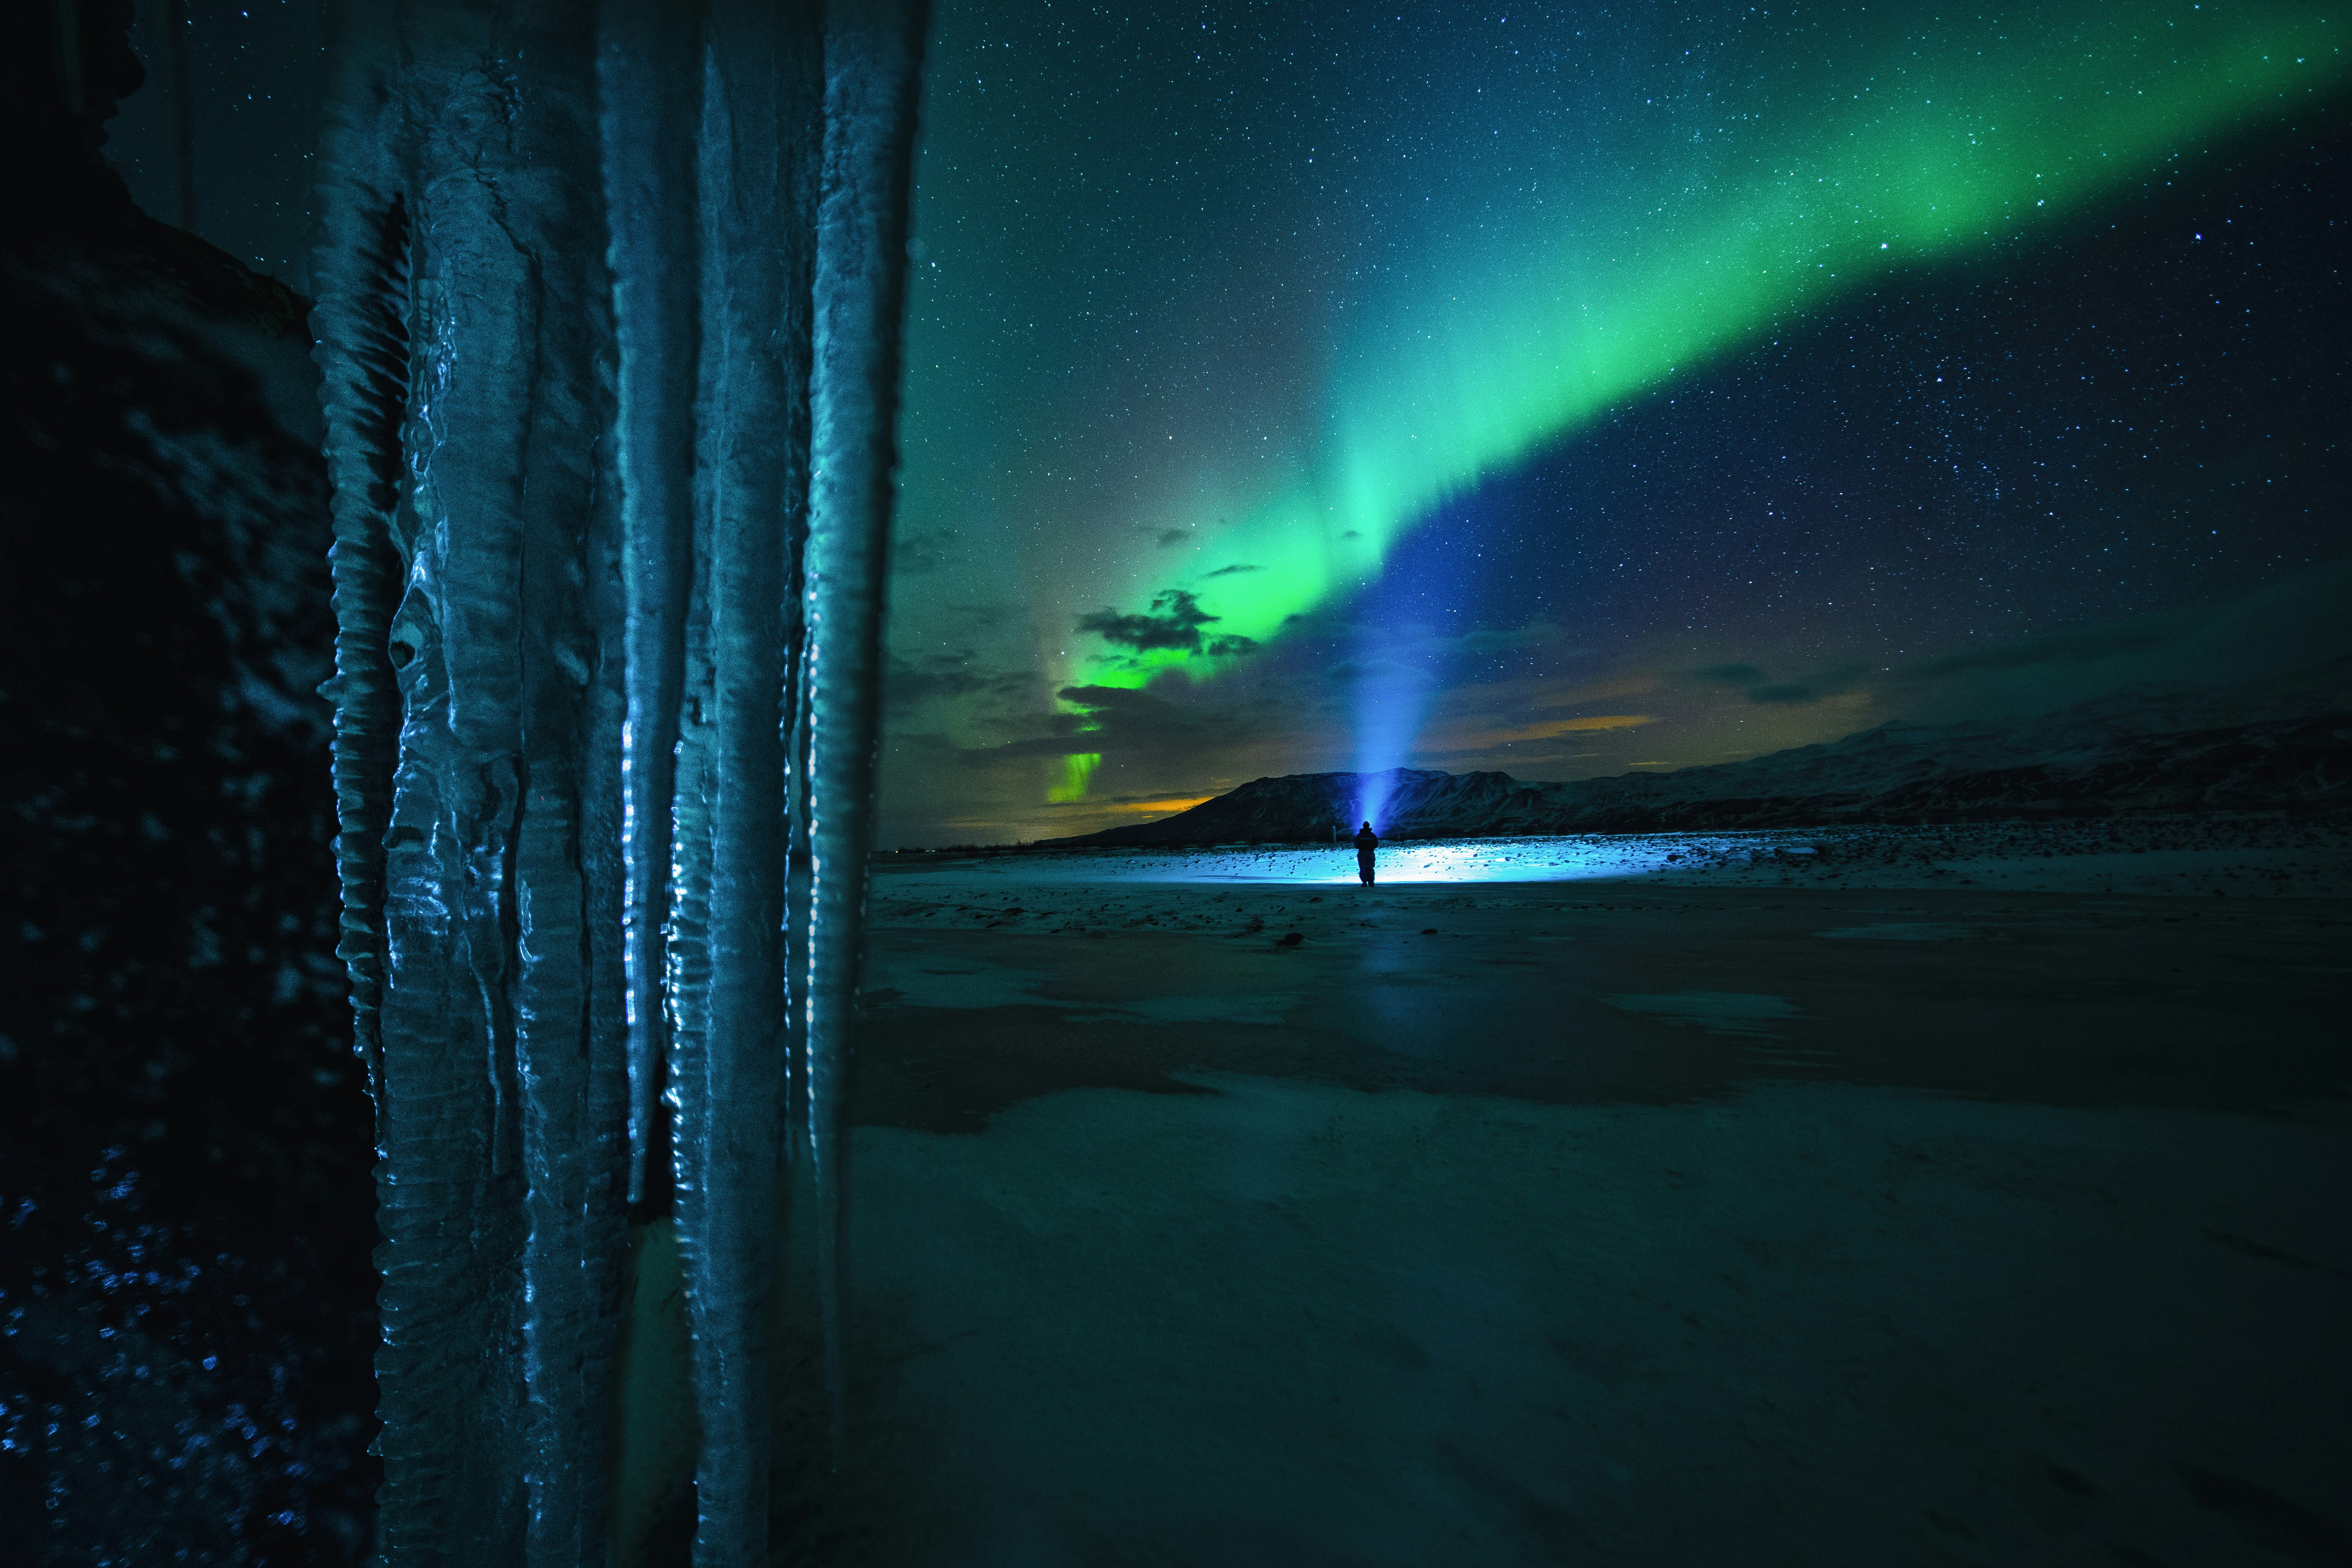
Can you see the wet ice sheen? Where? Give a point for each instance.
(1900, 931)
(1288, 1323)
(608, 326)
(1716, 1012)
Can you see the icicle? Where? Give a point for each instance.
(755, 175)
(363, 331)
(604, 642)
(873, 66)
(466, 406)
(362, 323)
(649, 71)
(447, 1178)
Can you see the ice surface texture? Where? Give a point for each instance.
(608, 319)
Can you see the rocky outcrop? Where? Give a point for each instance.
(184, 1137)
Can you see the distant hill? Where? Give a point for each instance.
(2284, 745)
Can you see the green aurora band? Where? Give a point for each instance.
(1829, 176)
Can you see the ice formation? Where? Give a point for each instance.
(608, 323)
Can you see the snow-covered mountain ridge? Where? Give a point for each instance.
(2284, 745)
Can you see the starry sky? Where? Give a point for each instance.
(1570, 390)
(1591, 388)
(252, 72)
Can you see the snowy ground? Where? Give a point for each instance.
(2200, 857)
(1940, 1196)
(1282, 1322)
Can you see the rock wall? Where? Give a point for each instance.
(183, 1131)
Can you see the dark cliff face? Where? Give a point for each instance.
(2131, 752)
(184, 1141)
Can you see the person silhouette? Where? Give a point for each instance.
(1366, 842)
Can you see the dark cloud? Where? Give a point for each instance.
(1137, 724)
(920, 551)
(910, 682)
(1234, 570)
(1828, 683)
(1167, 536)
(2291, 625)
(1416, 654)
(2286, 630)
(928, 743)
(1514, 757)
(2081, 645)
(1111, 703)
(1761, 688)
(1348, 671)
(1174, 621)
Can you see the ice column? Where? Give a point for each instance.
(872, 66)
(608, 318)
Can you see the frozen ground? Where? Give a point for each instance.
(1939, 1196)
(2164, 856)
(1280, 1321)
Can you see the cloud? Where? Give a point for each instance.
(2290, 624)
(1611, 688)
(1234, 570)
(1167, 745)
(1140, 805)
(1834, 682)
(1415, 657)
(1472, 737)
(920, 550)
(2077, 646)
(2277, 632)
(907, 682)
(1549, 728)
(1350, 670)
(1138, 724)
(1167, 536)
(1176, 624)
(1518, 762)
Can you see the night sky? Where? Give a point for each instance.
(256, 72)
(1580, 389)
(1565, 390)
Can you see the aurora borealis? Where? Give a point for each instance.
(1577, 319)
(1555, 307)
(1941, 419)
(1216, 314)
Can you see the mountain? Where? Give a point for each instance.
(2284, 745)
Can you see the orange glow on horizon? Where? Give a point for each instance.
(1170, 806)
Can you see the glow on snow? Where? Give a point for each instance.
(1402, 863)
(1835, 173)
